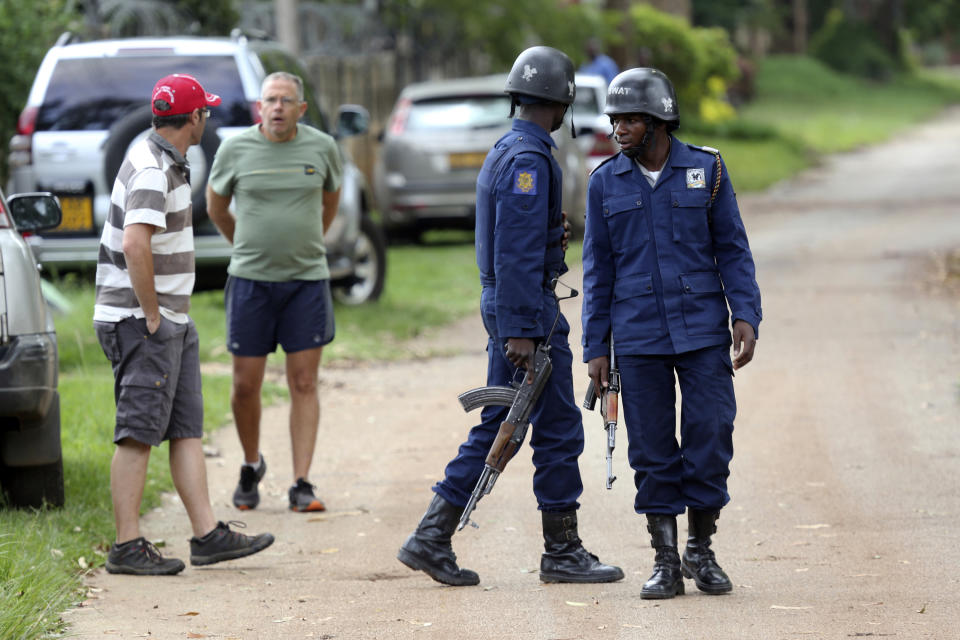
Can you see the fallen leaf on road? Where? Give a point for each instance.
(922, 609)
(813, 526)
(576, 604)
(871, 604)
(191, 634)
(802, 570)
(336, 514)
(284, 619)
(780, 606)
(190, 613)
(419, 624)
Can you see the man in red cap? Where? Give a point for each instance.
(145, 275)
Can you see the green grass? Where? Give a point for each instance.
(803, 110)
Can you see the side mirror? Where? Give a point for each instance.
(352, 120)
(33, 212)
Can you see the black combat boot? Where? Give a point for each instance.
(699, 562)
(564, 558)
(428, 549)
(667, 580)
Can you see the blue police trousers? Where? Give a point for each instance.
(556, 430)
(671, 476)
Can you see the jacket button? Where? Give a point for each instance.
(639, 204)
(676, 204)
(687, 288)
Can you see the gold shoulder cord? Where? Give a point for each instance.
(716, 182)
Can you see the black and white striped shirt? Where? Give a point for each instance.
(153, 188)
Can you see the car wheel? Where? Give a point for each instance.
(138, 124)
(34, 486)
(370, 266)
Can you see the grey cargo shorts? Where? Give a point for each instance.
(156, 379)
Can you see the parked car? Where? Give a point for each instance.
(434, 145)
(90, 101)
(593, 127)
(31, 464)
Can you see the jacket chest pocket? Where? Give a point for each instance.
(626, 219)
(690, 215)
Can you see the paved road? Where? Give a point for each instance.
(845, 507)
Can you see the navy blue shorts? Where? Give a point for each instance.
(297, 315)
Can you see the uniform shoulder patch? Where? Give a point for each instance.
(525, 181)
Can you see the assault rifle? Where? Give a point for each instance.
(521, 396)
(609, 409)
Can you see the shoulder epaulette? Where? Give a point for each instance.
(715, 152)
(604, 162)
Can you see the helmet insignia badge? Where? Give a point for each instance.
(529, 72)
(667, 104)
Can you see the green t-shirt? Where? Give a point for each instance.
(277, 190)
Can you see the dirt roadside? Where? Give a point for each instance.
(845, 504)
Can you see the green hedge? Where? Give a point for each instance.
(701, 62)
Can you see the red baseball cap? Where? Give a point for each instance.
(183, 93)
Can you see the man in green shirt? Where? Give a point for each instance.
(284, 179)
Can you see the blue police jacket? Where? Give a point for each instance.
(519, 229)
(660, 263)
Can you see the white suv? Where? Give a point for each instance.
(89, 103)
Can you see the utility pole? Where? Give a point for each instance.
(288, 33)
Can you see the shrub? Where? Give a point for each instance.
(850, 46)
(701, 62)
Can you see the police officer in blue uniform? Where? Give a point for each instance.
(520, 252)
(665, 253)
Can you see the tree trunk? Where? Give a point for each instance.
(800, 21)
(286, 19)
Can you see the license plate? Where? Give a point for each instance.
(77, 214)
(472, 160)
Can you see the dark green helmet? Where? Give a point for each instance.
(542, 72)
(643, 90)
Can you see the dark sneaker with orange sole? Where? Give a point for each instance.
(247, 496)
(302, 497)
(140, 557)
(224, 544)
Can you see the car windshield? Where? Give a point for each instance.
(588, 101)
(93, 93)
(459, 112)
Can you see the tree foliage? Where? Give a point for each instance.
(27, 30)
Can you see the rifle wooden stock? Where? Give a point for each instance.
(503, 447)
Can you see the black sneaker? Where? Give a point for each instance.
(140, 558)
(223, 544)
(246, 496)
(302, 497)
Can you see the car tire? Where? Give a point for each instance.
(370, 266)
(123, 133)
(36, 486)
